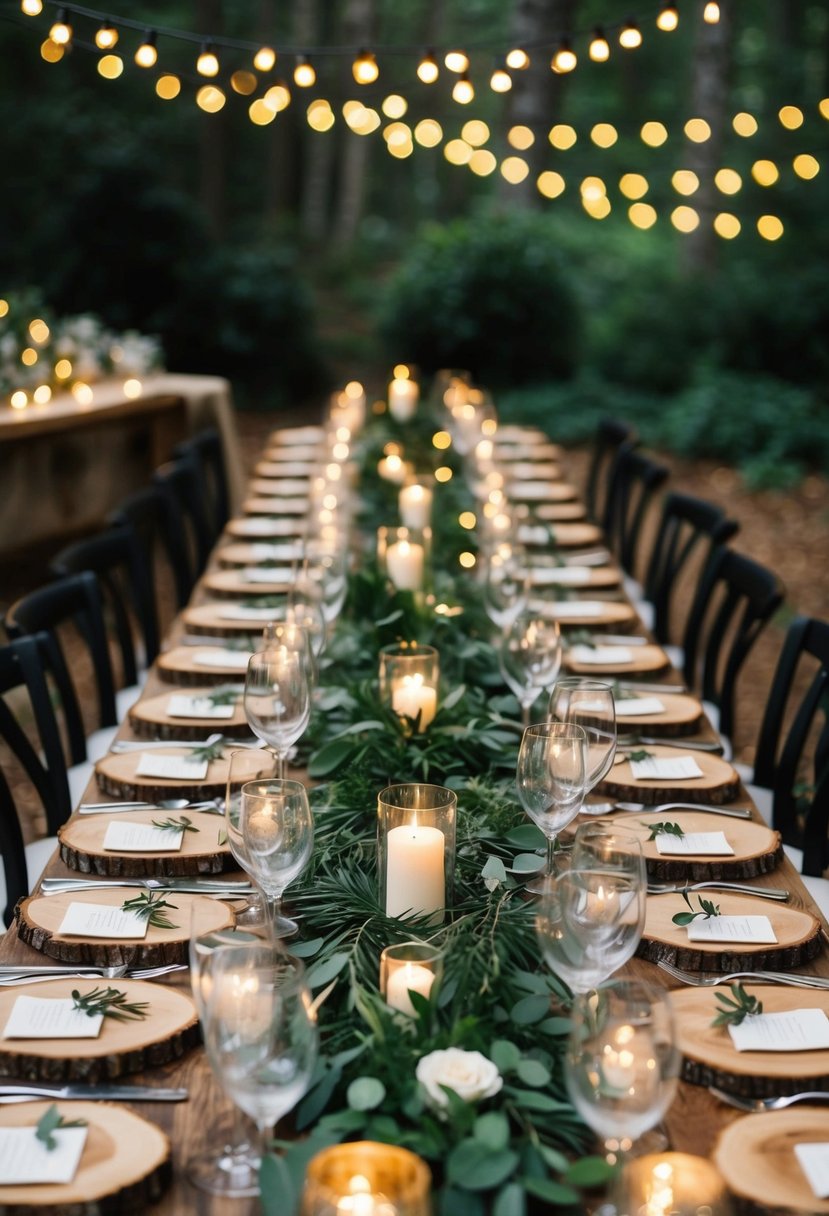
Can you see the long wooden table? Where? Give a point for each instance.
(694, 1120)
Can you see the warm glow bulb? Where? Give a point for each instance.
(264, 59)
(31, 8)
(147, 56)
(630, 36)
(518, 59)
(106, 37)
(711, 12)
(61, 31)
(110, 66)
(668, 18)
(207, 63)
(463, 92)
(210, 98)
(428, 70)
(168, 87)
(457, 61)
(599, 50)
(500, 81)
(565, 58)
(304, 74)
(365, 69)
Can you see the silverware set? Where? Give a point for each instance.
(221, 888)
(789, 978)
(757, 1105)
(11, 975)
(641, 808)
(656, 888)
(12, 1092)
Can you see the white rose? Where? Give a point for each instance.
(471, 1075)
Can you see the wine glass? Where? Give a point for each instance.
(622, 1062)
(325, 567)
(505, 585)
(277, 829)
(260, 1030)
(294, 637)
(529, 656)
(277, 699)
(233, 1171)
(550, 778)
(245, 764)
(590, 704)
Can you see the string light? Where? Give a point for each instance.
(642, 215)
(517, 59)
(61, 31)
(31, 8)
(110, 66)
(668, 18)
(599, 49)
(244, 83)
(304, 74)
(565, 58)
(167, 87)
(428, 70)
(456, 61)
(264, 59)
(711, 13)
(207, 63)
(463, 90)
(630, 36)
(106, 37)
(210, 98)
(365, 69)
(147, 54)
(500, 81)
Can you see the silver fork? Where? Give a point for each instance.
(673, 888)
(40, 975)
(697, 980)
(760, 1104)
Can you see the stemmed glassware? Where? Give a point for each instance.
(278, 699)
(260, 1029)
(245, 764)
(529, 655)
(294, 637)
(505, 585)
(590, 704)
(277, 830)
(551, 781)
(324, 569)
(622, 1062)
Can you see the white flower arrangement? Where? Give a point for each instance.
(468, 1073)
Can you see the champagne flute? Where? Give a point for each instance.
(550, 778)
(277, 699)
(590, 704)
(260, 1030)
(245, 765)
(622, 1062)
(505, 585)
(529, 656)
(277, 829)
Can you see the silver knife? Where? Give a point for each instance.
(655, 689)
(625, 741)
(618, 639)
(10, 1092)
(53, 886)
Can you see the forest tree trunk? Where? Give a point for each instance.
(358, 20)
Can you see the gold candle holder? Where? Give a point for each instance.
(416, 850)
(405, 968)
(366, 1179)
(409, 677)
(671, 1184)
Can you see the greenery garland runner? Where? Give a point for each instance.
(514, 1138)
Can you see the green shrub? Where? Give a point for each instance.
(488, 295)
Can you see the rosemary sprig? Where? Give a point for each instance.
(171, 824)
(223, 696)
(736, 1008)
(111, 1002)
(150, 906)
(707, 910)
(48, 1124)
(657, 829)
(221, 838)
(641, 753)
(209, 751)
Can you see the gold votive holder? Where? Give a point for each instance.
(675, 1183)
(409, 678)
(405, 968)
(363, 1178)
(403, 554)
(416, 850)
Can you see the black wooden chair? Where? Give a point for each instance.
(156, 518)
(634, 480)
(688, 526)
(207, 449)
(610, 434)
(183, 479)
(734, 601)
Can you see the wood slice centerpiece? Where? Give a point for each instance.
(755, 1156)
(681, 715)
(116, 775)
(125, 1166)
(545, 491)
(560, 512)
(797, 933)
(81, 841)
(757, 848)
(642, 659)
(262, 527)
(149, 720)
(181, 666)
(234, 582)
(39, 918)
(710, 1058)
(169, 1030)
(719, 783)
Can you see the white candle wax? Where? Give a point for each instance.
(415, 506)
(410, 977)
(404, 563)
(392, 468)
(414, 871)
(403, 395)
(410, 697)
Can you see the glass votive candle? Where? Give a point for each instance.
(415, 503)
(416, 850)
(363, 1178)
(405, 968)
(403, 396)
(402, 554)
(409, 677)
(676, 1183)
(393, 468)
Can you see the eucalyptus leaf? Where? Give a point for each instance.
(278, 1194)
(527, 863)
(307, 949)
(452, 698)
(526, 836)
(323, 972)
(330, 757)
(510, 1201)
(588, 1172)
(533, 1072)
(492, 1129)
(504, 1055)
(365, 1093)
(529, 1010)
(553, 1192)
(494, 869)
(475, 1167)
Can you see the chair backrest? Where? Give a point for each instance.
(74, 600)
(687, 522)
(793, 743)
(183, 479)
(734, 600)
(634, 480)
(208, 450)
(126, 579)
(610, 434)
(157, 520)
(41, 760)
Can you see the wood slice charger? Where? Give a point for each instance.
(248, 553)
(180, 666)
(600, 576)
(81, 841)
(125, 1166)
(755, 1156)
(574, 536)
(680, 716)
(541, 491)
(117, 776)
(757, 848)
(39, 918)
(560, 512)
(149, 719)
(170, 1029)
(719, 783)
(642, 659)
(710, 1058)
(570, 616)
(262, 527)
(797, 933)
(213, 619)
(234, 584)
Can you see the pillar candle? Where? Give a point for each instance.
(410, 697)
(410, 977)
(414, 871)
(404, 564)
(415, 506)
(403, 395)
(392, 468)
